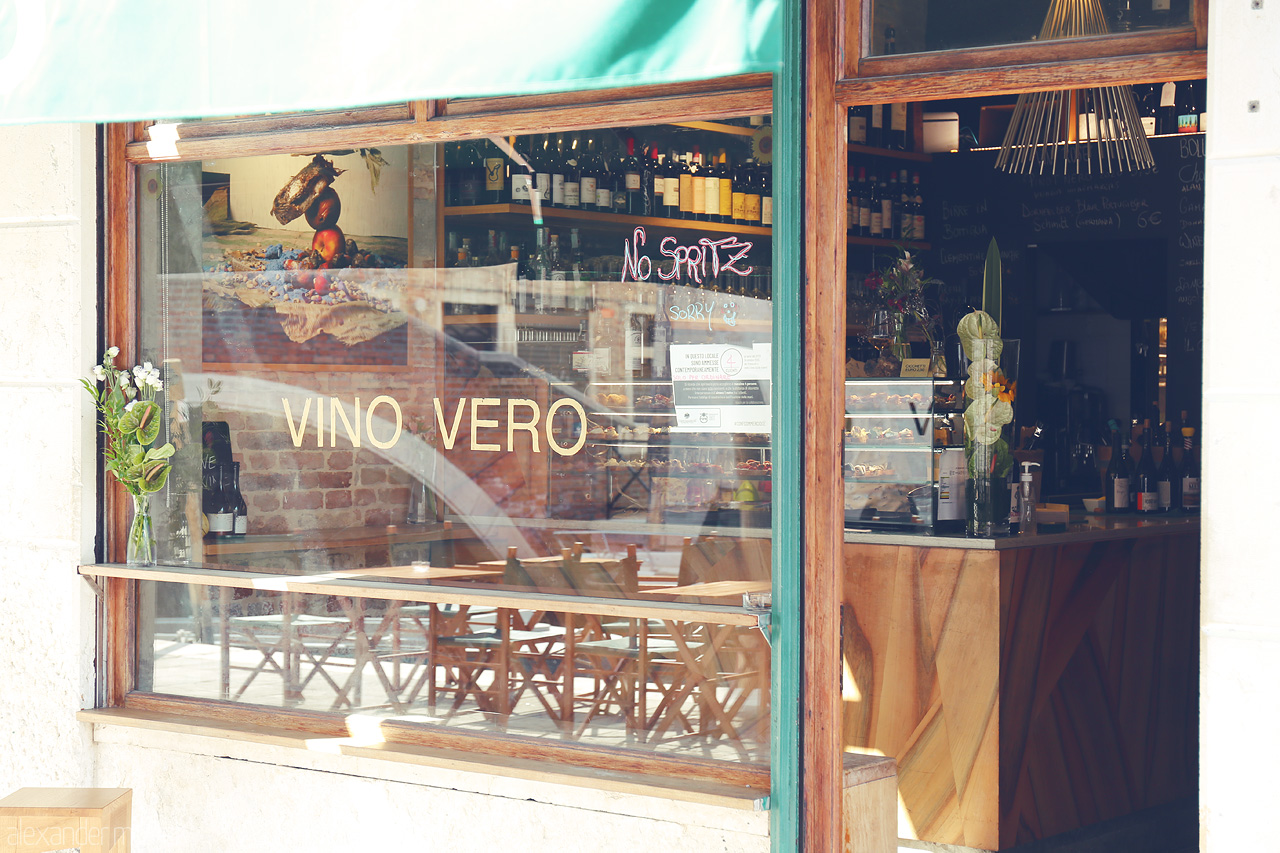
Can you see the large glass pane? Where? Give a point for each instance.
(492, 402)
(912, 26)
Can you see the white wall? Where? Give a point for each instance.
(47, 323)
(1239, 738)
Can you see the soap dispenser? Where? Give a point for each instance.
(1027, 501)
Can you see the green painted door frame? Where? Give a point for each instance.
(788, 384)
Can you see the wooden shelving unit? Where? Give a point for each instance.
(915, 156)
(595, 217)
(888, 244)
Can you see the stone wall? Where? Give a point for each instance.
(1239, 741)
(47, 322)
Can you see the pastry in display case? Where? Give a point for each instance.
(901, 440)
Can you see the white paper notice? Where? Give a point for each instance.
(721, 388)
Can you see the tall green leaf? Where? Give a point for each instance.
(992, 286)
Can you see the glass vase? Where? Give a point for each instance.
(422, 503)
(140, 548)
(990, 392)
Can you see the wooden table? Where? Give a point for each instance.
(714, 589)
(36, 820)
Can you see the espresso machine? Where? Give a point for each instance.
(1073, 415)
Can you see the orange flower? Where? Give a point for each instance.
(1000, 385)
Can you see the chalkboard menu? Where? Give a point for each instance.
(1136, 239)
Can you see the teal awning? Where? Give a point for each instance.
(123, 60)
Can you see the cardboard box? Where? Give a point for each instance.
(941, 132)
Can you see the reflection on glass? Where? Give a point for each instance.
(913, 26)
(435, 399)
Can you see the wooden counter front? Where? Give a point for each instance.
(1028, 690)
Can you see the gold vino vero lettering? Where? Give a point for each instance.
(486, 415)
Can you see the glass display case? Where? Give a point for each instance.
(903, 453)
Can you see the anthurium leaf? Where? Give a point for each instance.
(128, 421)
(162, 452)
(155, 476)
(135, 454)
(992, 283)
(148, 429)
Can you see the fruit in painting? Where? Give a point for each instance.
(329, 242)
(324, 211)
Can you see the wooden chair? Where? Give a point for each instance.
(517, 652)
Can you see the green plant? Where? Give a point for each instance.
(130, 420)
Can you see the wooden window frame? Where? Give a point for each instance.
(129, 146)
(839, 74)
(859, 63)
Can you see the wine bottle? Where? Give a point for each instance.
(1190, 469)
(470, 176)
(686, 186)
(1168, 479)
(241, 523)
(1146, 489)
(851, 208)
(496, 174)
(711, 190)
(1160, 13)
(633, 181)
(726, 188)
(1148, 102)
(559, 276)
(918, 205)
(898, 126)
(886, 210)
(521, 177)
(1202, 89)
(858, 125)
(520, 299)
(659, 182)
(588, 175)
(604, 181)
(875, 127)
(876, 224)
(890, 41)
(572, 175)
(1168, 111)
(752, 200)
(1188, 100)
(739, 194)
(906, 209)
(542, 170)
(892, 219)
(698, 184)
(1119, 476)
(671, 187)
(219, 505)
(766, 195)
(556, 164)
(540, 272)
(451, 173)
(864, 203)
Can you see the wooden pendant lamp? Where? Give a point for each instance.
(1080, 131)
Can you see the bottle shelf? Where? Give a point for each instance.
(556, 321)
(570, 216)
(718, 127)
(890, 244)
(914, 156)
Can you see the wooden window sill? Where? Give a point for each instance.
(688, 790)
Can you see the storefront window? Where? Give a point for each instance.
(913, 26)
(472, 435)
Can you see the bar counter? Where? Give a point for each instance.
(1028, 685)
